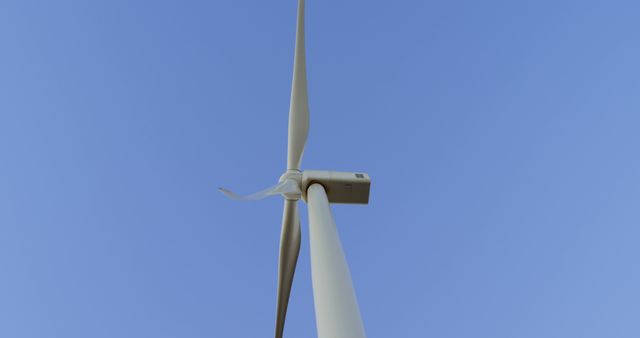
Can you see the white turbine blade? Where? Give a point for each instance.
(299, 108)
(284, 187)
(289, 250)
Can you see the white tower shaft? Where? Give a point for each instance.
(337, 312)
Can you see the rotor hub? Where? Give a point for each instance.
(292, 176)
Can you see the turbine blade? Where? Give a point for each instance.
(289, 250)
(299, 108)
(284, 187)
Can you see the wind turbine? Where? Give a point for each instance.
(336, 308)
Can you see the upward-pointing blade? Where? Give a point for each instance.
(299, 108)
(289, 250)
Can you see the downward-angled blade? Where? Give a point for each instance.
(289, 249)
(284, 187)
(299, 108)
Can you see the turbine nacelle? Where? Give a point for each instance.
(341, 187)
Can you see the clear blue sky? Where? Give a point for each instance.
(502, 137)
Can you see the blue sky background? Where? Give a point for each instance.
(502, 138)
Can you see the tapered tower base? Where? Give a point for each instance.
(337, 312)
